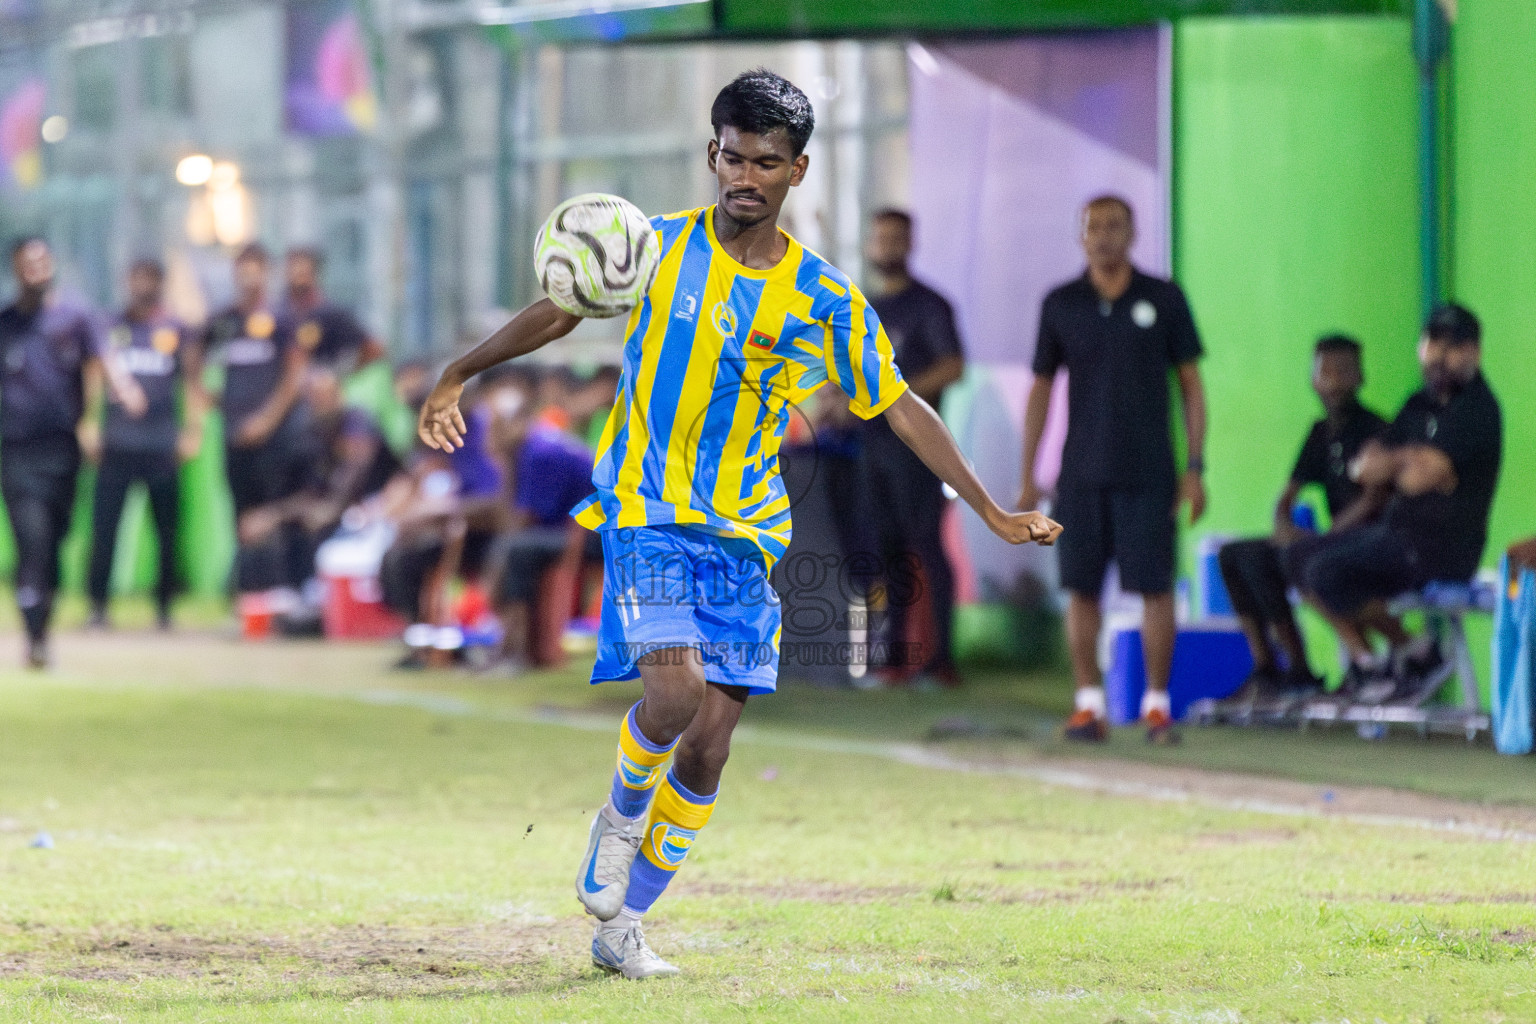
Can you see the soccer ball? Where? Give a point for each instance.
(596, 255)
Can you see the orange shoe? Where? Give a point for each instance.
(1160, 730)
(1085, 727)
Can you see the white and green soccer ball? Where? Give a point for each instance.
(596, 255)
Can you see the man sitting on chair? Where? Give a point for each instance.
(1432, 475)
(1260, 572)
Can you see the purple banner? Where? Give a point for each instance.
(1009, 139)
(328, 88)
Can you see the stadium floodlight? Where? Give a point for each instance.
(195, 169)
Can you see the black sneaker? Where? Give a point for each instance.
(1419, 679)
(1261, 685)
(1371, 686)
(1297, 687)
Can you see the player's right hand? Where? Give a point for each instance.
(441, 425)
(1026, 527)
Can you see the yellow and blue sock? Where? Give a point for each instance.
(677, 815)
(639, 770)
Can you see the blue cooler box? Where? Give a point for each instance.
(1208, 661)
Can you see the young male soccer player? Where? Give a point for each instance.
(740, 322)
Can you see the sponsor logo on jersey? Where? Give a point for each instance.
(259, 325)
(1143, 314)
(687, 308)
(672, 843)
(145, 362)
(308, 335)
(165, 340)
(724, 319)
(249, 352)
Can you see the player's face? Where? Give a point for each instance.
(754, 173)
(1107, 234)
(33, 266)
(889, 245)
(1448, 365)
(251, 278)
(1336, 378)
(143, 287)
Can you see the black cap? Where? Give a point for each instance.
(1455, 324)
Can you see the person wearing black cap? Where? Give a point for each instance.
(47, 364)
(1432, 476)
(264, 459)
(1119, 334)
(143, 438)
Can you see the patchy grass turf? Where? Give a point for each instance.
(288, 833)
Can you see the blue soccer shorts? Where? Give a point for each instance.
(672, 586)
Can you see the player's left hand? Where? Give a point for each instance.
(1191, 491)
(441, 425)
(1022, 527)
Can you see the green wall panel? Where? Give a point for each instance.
(840, 17)
(1295, 213)
(1494, 232)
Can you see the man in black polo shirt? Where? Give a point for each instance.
(906, 499)
(1117, 332)
(142, 437)
(1260, 572)
(329, 332)
(264, 456)
(1432, 475)
(47, 363)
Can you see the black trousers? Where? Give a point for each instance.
(37, 480)
(531, 551)
(907, 502)
(257, 476)
(161, 476)
(1256, 580)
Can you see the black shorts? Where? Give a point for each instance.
(1134, 526)
(1346, 571)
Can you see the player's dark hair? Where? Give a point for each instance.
(1454, 323)
(254, 251)
(24, 241)
(1337, 344)
(892, 213)
(759, 101)
(148, 265)
(1110, 199)
(313, 253)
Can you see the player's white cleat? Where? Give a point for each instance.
(621, 949)
(603, 880)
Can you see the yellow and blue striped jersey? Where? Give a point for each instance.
(716, 356)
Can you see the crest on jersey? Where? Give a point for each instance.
(165, 340)
(724, 319)
(259, 325)
(1143, 314)
(308, 335)
(672, 843)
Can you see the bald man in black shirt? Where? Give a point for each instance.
(1118, 333)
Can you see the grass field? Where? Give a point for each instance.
(278, 833)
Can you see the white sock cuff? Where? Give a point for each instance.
(1091, 698)
(1155, 700)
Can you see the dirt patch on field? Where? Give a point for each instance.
(358, 961)
(1235, 791)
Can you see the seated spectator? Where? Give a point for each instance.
(450, 512)
(349, 462)
(552, 473)
(1432, 475)
(1260, 572)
